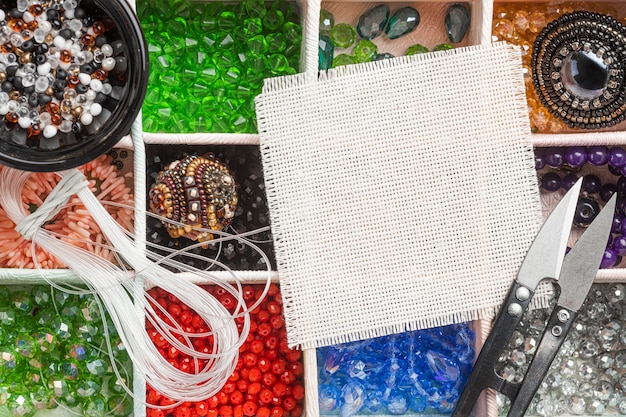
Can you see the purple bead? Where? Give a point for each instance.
(623, 230)
(539, 162)
(591, 184)
(576, 156)
(617, 224)
(554, 157)
(617, 157)
(607, 191)
(621, 185)
(609, 259)
(622, 171)
(568, 181)
(551, 181)
(597, 155)
(620, 206)
(619, 245)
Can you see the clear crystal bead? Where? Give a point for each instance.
(596, 407)
(569, 387)
(603, 391)
(616, 293)
(587, 371)
(589, 349)
(577, 405)
(604, 360)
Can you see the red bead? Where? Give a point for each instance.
(153, 412)
(265, 396)
(236, 397)
(279, 389)
(297, 411)
(276, 322)
(226, 411)
(213, 402)
(277, 412)
(234, 376)
(296, 367)
(248, 293)
(293, 355)
(278, 366)
(202, 408)
(271, 354)
(273, 308)
(298, 392)
(264, 364)
(222, 397)
(257, 346)
(271, 342)
(238, 411)
(254, 375)
(263, 316)
(213, 412)
(273, 290)
(254, 388)
(172, 352)
(186, 318)
(197, 322)
(249, 408)
(269, 379)
(182, 411)
(228, 301)
(229, 387)
(242, 385)
(249, 360)
(288, 377)
(263, 412)
(153, 397)
(174, 310)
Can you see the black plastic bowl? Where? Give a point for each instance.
(69, 150)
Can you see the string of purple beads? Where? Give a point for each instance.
(559, 168)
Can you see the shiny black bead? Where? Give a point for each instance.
(101, 40)
(39, 59)
(43, 99)
(65, 33)
(551, 181)
(100, 98)
(81, 89)
(28, 46)
(56, 23)
(11, 70)
(586, 211)
(42, 48)
(33, 100)
(52, 14)
(16, 14)
(59, 85)
(7, 86)
(17, 83)
(61, 74)
(58, 95)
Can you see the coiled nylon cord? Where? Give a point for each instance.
(120, 293)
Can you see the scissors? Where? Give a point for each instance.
(574, 276)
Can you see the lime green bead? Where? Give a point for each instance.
(416, 49)
(257, 45)
(364, 51)
(327, 21)
(277, 63)
(273, 20)
(443, 47)
(226, 21)
(252, 26)
(343, 35)
(276, 43)
(343, 59)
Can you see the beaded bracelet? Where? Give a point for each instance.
(560, 168)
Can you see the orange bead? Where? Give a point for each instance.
(17, 25)
(98, 28)
(66, 56)
(7, 47)
(11, 117)
(53, 108)
(100, 74)
(88, 40)
(36, 9)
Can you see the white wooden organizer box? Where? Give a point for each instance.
(431, 31)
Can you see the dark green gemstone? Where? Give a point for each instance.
(403, 21)
(416, 49)
(364, 51)
(457, 22)
(373, 22)
(343, 35)
(325, 52)
(443, 47)
(343, 59)
(327, 21)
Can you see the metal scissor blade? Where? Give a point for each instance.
(582, 262)
(579, 270)
(545, 256)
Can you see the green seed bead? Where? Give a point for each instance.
(343, 35)
(443, 47)
(343, 59)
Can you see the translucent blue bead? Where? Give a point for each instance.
(373, 403)
(353, 397)
(396, 401)
(328, 397)
(332, 361)
(363, 368)
(443, 368)
(418, 401)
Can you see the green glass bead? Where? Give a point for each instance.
(71, 312)
(60, 298)
(277, 63)
(224, 41)
(273, 20)
(22, 302)
(208, 75)
(88, 331)
(226, 21)
(8, 360)
(343, 35)
(4, 394)
(40, 398)
(382, 56)
(276, 43)
(4, 296)
(116, 386)
(199, 88)
(343, 59)
(416, 49)
(200, 124)
(292, 51)
(457, 22)
(325, 52)
(89, 309)
(241, 91)
(7, 316)
(257, 45)
(206, 44)
(95, 406)
(177, 26)
(41, 296)
(254, 8)
(252, 26)
(87, 387)
(120, 406)
(61, 328)
(21, 406)
(25, 345)
(293, 33)
(180, 8)
(197, 59)
(327, 21)
(402, 22)
(59, 386)
(69, 370)
(97, 367)
(364, 51)
(44, 317)
(232, 76)
(443, 47)
(78, 351)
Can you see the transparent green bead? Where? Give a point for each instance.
(21, 406)
(89, 309)
(207, 43)
(226, 21)
(78, 351)
(343, 35)
(95, 406)
(257, 45)
(40, 398)
(443, 47)
(45, 340)
(277, 63)
(22, 302)
(327, 21)
(41, 296)
(232, 76)
(252, 26)
(87, 387)
(177, 26)
(69, 369)
(224, 41)
(273, 20)
(71, 312)
(7, 316)
(343, 59)
(276, 43)
(364, 51)
(254, 8)
(120, 406)
(25, 345)
(293, 33)
(416, 49)
(59, 386)
(175, 45)
(97, 367)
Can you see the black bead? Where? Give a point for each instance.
(65, 33)
(607, 191)
(28, 46)
(58, 95)
(17, 83)
(16, 14)
(101, 40)
(43, 99)
(80, 13)
(59, 85)
(61, 74)
(28, 90)
(39, 59)
(7, 86)
(33, 100)
(87, 69)
(586, 211)
(77, 127)
(551, 181)
(42, 48)
(11, 70)
(56, 23)
(81, 88)
(52, 14)
(100, 98)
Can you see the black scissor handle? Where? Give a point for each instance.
(483, 374)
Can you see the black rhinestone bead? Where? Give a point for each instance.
(586, 211)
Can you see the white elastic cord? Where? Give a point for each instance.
(120, 293)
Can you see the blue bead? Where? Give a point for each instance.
(353, 398)
(373, 403)
(396, 401)
(328, 397)
(444, 369)
(363, 368)
(418, 401)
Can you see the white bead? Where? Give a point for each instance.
(84, 79)
(69, 13)
(91, 95)
(4, 109)
(86, 119)
(107, 49)
(96, 85)
(68, 44)
(108, 64)
(49, 131)
(106, 88)
(44, 24)
(28, 17)
(44, 69)
(24, 122)
(40, 35)
(2, 15)
(59, 41)
(95, 109)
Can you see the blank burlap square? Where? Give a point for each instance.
(402, 193)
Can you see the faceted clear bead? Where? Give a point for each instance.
(577, 405)
(596, 407)
(327, 21)
(587, 371)
(517, 358)
(589, 349)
